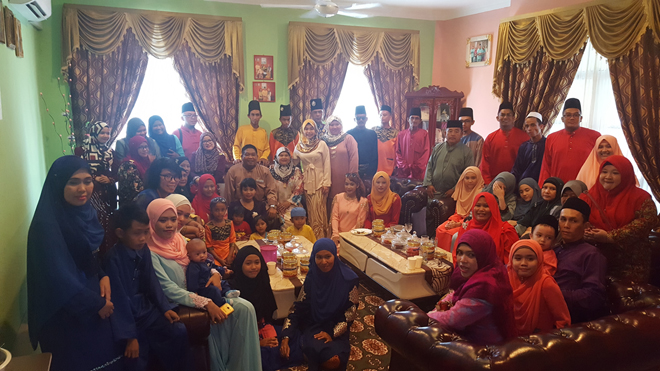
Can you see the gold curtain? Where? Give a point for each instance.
(101, 30)
(635, 78)
(321, 44)
(614, 29)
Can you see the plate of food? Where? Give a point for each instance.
(361, 231)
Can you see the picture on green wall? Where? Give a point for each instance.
(263, 91)
(18, 38)
(9, 28)
(263, 67)
(2, 25)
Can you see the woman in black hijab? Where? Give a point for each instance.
(252, 280)
(68, 295)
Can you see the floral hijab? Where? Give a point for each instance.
(99, 156)
(333, 140)
(306, 145)
(206, 162)
(280, 172)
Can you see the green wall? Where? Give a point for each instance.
(265, 33)
(23, 171)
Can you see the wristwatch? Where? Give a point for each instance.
(272, 206)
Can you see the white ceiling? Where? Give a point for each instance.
(432, 10)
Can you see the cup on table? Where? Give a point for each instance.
(272, 268)
(418, 261)
(411, 263)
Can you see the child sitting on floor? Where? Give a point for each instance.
(143, 317)
(241, 227)
(220, 234)
(261, 226)
(299, 228)
(545, 232)
(199, 272)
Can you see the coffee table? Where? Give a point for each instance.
(283, 288)
(390, 270)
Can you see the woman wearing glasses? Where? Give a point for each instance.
(187, 134)
(161, 180)
(132, 172)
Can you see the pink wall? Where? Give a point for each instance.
(476, 83)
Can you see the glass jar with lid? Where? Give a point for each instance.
(413, 245)
(289, 264)
(387, 238)
(304, 264)
(428, 250)
(378, 227)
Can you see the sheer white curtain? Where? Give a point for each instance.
(593, 87)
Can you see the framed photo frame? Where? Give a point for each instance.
(263, 91)
(263, 67)
(478, 51)
(9, 19)
(2, 25)
(18, 38)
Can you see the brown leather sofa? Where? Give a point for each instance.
(198, 324)
(414, 198)
(628, 339)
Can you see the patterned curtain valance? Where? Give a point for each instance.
(100, 30)
(321, 44)
(614, 27)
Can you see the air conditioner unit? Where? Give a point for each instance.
(34, 11)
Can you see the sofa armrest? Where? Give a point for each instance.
(437, 212)
(412, 202)
(198, 324)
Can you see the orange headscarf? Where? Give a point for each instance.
(175, 247)
(502, 233)
(591, 169)
(528, 296)
(463, 197)
(382, 202)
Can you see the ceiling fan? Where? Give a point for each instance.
(327, 8)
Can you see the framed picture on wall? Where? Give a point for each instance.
(263, 67)
(263, 91)
(9, 28)
(477, 52)
(2, 25)
(18, 38)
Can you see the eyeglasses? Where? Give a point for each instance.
(142, 148)
(506, 114)
(574, 115)
(207, 141)
(170, 177)
(360, 118)
(190, 115)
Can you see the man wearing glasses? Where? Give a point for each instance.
(367, 142)
(187, 134)
(530, 153)
(501, 146)
(566, 150)
(471, 139)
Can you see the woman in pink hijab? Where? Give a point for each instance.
(234, 338)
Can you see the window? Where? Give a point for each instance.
(162, 94)
(593, 87)
(356, 92)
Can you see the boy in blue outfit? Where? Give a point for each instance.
(199, 272)
(143, 316)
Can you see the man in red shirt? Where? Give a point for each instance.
(501, 146)
(566, 150)
(187, 134)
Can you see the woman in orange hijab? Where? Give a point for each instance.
(622, 215)
(486, 216)
(538, 303)
(383, 203)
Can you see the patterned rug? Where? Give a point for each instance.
(368, 351)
